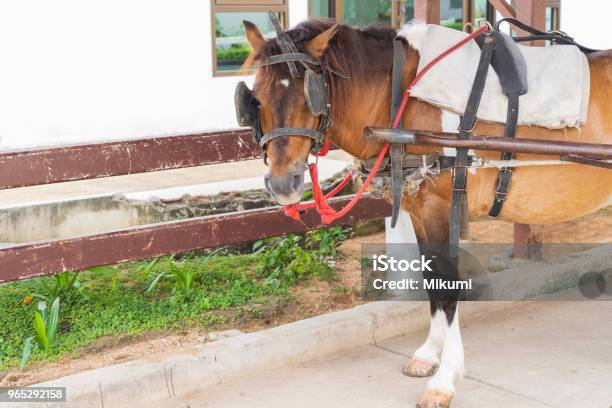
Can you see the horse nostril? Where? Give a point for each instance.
(297, 181)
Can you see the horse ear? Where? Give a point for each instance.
(317, 46)
(254, 36)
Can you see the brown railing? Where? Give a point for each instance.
(79, 162)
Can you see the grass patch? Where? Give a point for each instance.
(121, 299)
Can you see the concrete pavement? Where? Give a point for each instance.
(546, 354)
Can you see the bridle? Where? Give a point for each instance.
(316, 92)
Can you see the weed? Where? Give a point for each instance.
(45, 326)
(294, 257)
(65, 285)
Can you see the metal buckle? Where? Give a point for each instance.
(469, 130)
(483, 21)
(498, 194)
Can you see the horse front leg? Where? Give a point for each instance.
(441, 355)
(441, 387)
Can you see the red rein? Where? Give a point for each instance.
(327, 213)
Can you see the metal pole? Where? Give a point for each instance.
(490, 143)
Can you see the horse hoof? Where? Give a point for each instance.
(435, 399)
(419, 368)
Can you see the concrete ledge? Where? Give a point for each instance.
(141, 381)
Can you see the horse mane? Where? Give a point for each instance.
(360, 53)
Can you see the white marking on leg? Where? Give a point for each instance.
(431, 349)
(452, 362)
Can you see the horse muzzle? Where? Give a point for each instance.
(286, 189)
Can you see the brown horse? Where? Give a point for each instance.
(538, 195)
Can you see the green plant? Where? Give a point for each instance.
(45, 326)
(327, 240)
(65, 285)
(295, 257)
(118, 305)
(182, 272)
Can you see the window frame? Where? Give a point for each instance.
(555, 6)
(336, 8)
(247, 6)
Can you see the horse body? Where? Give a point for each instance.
(538, 195)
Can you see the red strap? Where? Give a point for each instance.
(324, 149)
(328, 214)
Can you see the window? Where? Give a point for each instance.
(352, 12)
(453, 13)
(478, 9)
(553, 16)
(230, 46)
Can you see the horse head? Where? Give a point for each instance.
(332, 83)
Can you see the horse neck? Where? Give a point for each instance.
(369, 103)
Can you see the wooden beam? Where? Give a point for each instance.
(24, 261)
(427, 11)
(526, 244)
(533, 13)
(503, 8)
(19, 168)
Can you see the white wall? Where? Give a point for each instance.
(588, 21)
(73, 71)
(85, 70)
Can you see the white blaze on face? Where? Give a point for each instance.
(285, 83)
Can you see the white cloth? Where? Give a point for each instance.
(558, 77)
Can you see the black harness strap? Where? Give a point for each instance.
(556, 37)
(511, 68)
(397, 150)
(290, 57)
(315, 135)
(504, 176)
(459, 205)
(285, 43)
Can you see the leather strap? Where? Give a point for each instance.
(459, 203)
(556, 37)
(311, 133)
(504, 176)
(285, 43)
(289, 57)
(397, 150)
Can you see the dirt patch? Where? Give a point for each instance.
(593, 228)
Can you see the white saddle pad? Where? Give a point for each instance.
(558, 76)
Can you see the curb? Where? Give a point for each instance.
(141, 381)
